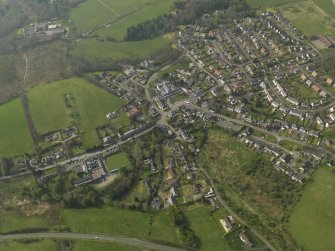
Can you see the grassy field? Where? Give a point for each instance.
(206, 229)
(90, 106)
(14, 133)
(117, 160)
(43, 245)
(312, 222)
(12, 221)
(268, 3)
(118, 50)
(109, 220)
(101, 246)
(118, 30)
(327, 5)
(309, 17)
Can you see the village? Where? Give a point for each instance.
(255, 77)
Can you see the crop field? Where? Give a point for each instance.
(89, 106)
(109, 220)
(41, 245)
(312, 222)
(101, 246)
(206, 229)
(309, 17)
(14, 132)
(117, 161)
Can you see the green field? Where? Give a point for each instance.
(14, 133)
(117, 161)
(101, 246)
(312, 222)
(117, 50)
(268, 3)
(44, 245)
(110, 220)
(327, 5)
(118, 30)
(309, 18)
(12, 221)
(90, 106)
(206, 229)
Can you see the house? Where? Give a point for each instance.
(303, 77)
(309, 83)
(329, 81)
(228, 223)
(314, 74)
(245, 239)
(316, 88)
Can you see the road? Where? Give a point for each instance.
(103, 238)
(231, 212)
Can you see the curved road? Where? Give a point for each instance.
(105, 238)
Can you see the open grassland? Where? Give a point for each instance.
(90, 105)
(268, 3)
(312, 222)
(327, 5)
(94, 48)
(15, 138)
(118, 30)
(102, 246)
(206, 229)
(117, 161)
(42, 245)
(309, 17)
(12, 221)
(115, 221)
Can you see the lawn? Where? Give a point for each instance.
(115, 221)
(302, 91)
(89, 106)
(312, 222)
(14, 132)
(101, 246)
(118, 50)
(43, 245)
(117, 161)
(206, 229)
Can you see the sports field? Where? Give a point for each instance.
(117, 161)
(15, 138)
(89, 106)
(115, 221)
(312, 222)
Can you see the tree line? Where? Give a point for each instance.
(186, 13)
